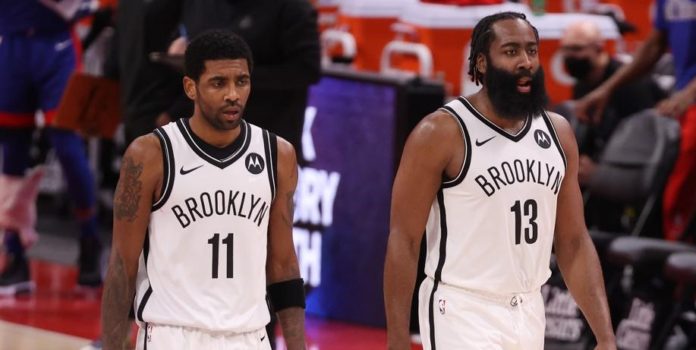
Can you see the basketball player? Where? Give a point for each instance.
(492, 179)
(203, 221)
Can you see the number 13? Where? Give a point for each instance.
(531, 231)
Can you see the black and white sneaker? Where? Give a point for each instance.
(15, 279)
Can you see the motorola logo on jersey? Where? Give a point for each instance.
(254, 163)
(542, 139)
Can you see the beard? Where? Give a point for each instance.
(507, 101)
(216, 118)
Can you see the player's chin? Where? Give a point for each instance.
(229, 122)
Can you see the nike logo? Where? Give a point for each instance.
(264, 337)
(481, 143)
(184, 172)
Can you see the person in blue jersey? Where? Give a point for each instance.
(492, 180)
(203, 216)
(675, 28)
(37, 56)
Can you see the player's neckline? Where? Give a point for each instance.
(514, 137)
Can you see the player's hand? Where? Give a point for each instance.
(590, 108)
(178, 46)
(676, 105)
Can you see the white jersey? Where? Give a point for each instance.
(491, 228)
(204, 258)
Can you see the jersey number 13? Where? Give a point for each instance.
(528, 211)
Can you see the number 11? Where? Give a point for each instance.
(229, 242)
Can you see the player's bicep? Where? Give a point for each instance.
(570, 220)
(140, 168)
(426, 155)
(282, 261)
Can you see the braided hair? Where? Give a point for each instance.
(483, 35)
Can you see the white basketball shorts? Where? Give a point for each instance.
(454, 318)
(161, 337)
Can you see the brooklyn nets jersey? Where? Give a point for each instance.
(203, 263)
(491, 228)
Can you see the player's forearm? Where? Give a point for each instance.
(399, 279)
(116, 302)
(292, 322)
(581, 271)
(690, 89)
(643, 60)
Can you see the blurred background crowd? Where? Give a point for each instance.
(344, 81)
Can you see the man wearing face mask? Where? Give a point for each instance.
(590, 64)
(587, 61)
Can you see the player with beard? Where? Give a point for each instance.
(203, 220)
(492, 180)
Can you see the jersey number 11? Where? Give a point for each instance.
(229, 243)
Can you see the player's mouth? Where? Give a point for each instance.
(231, 113)
(524, 85)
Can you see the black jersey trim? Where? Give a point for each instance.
(143, 301)
(146, 296)
(168, 172)
(520, 134)
(467, 152)
(440, 264)
(146, 247)
(270, 147)
(554, 136)
(145, 338)
(236, 150)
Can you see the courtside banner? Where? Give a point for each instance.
(355, 126)
(343, 195)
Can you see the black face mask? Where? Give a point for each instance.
(578, 68)
(510, 103)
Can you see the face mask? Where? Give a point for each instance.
(578, 68)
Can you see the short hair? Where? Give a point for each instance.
(214, 45)
(483, 36)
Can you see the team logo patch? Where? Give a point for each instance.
(254, 163)
(542, 139)
(441, 304)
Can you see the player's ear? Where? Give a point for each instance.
(190, 88)
(481, 63)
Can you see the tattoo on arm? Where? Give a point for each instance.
(292, 322)
(118, 295)
(288, 216)
(128, 191)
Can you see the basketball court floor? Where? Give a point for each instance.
(60, 316)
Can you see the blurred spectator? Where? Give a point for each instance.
(150, 91)
(675, 25)
(37, 56)
(587, 60)
(283, 36)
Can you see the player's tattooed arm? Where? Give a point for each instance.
(128, 191)
(141, 174)
(117, 298)
(292, 322)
